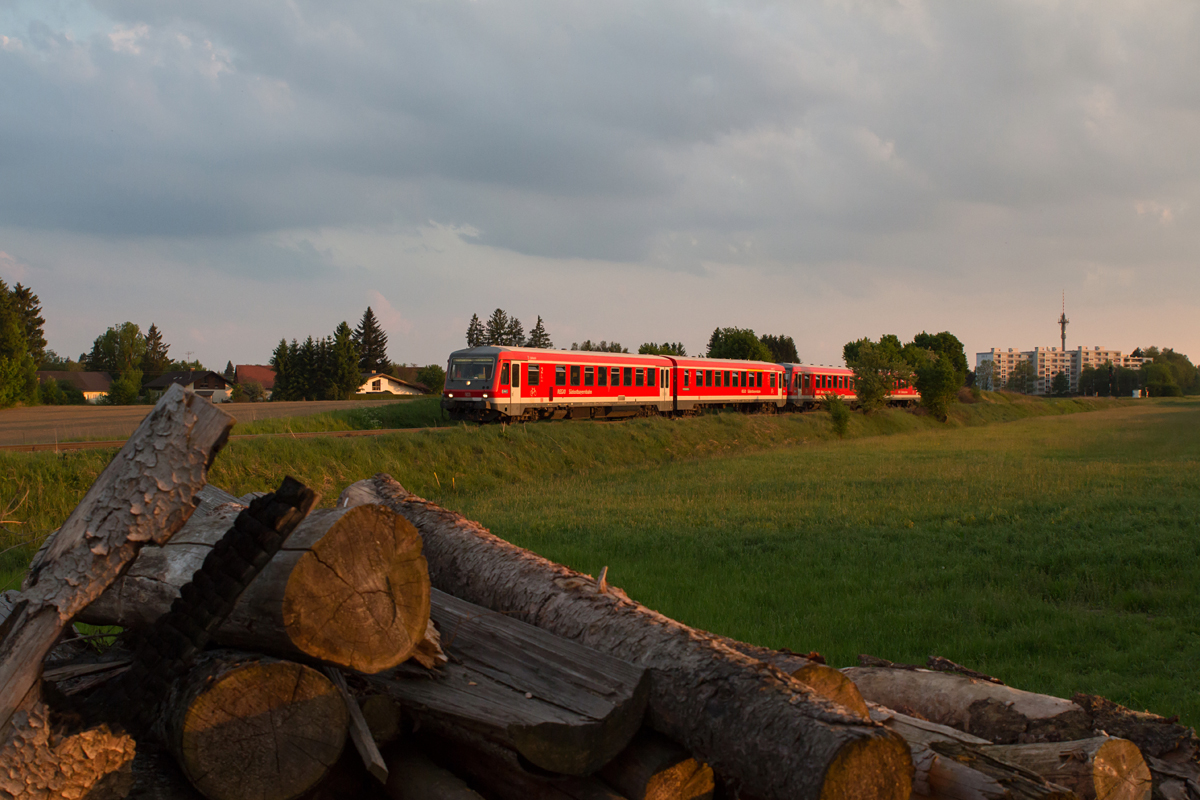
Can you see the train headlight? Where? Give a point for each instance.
(485, 395)
(449, 394)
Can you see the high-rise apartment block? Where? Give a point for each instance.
(1046, 362)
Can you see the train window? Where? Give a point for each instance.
(708, 377)
(687, 377)
(773, 381)
(726, 378)
(575, 376)
(504, 374)
(589, 376)
(602, 376)
(516, 375)
(734, 378)
(628, 379)
(666, 379)
(760, 379)
(748, 379)
(533, 374)
(639, 377)
(651, 376)
(560, 375)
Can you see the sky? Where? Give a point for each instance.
(237, 172)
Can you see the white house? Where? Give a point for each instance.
(382, 383)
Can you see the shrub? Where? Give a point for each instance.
(839, 413)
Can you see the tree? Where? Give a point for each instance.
(601, 347)
(29, 310)
(664, 349)
(432, 377)
(371, 342)
(228, 373)
(945, 344)
(783, 349)
(344, 377)
(1061, 385)
(155, 360)
(475, 332)
(18, 371)
(496, 328)
(281, 362)
(1183, 372)
(514, 333)
(119, 350)
(1159, 380)
(985, 375)
(877, 368)
(740, 343)
(936, 379)
(537, 337)
(1022, 377)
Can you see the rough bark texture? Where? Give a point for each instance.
(40, 761)
(1100, 768)
(653, 767)
(564, 707)
(992, 711)
(144, 495)
(769, 734)
(821, 678)
(500, 778)
(156, 776)
(254, 727)
(412, 776)
(349, 587)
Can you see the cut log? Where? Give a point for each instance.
(496, 774)
(350, 587)
(156, 776)
(360, 732)
(1001, 714)
(1100, 768)
(145, 494)
(249, 726)
(821, 678)
(769, 734)
(564, 707)
(653, 767)
(412, 776)
(383, 717)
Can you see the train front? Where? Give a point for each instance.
(470, 392)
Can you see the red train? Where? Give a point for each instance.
(488, 384)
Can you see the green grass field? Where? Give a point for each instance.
(1057, 551)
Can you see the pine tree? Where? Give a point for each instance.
(514, 334)
(475, 334)
(372, 344)
(497, 328)
(155, 360)
(308, 372)
(343, 370)
(29, 309)
(228, 373)
(538, 337)
(283, 371)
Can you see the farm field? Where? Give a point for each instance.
(1057, 550)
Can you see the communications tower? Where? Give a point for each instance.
(1062, 322)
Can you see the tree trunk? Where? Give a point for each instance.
(821, 678)
(564, 707)
(350, 587)
(500, 777)
(653, 767)
(1101, 768)
(145, 494)
(245, 726)
(754, 726)
(412, 776)
(995, 712)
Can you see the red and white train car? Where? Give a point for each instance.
(809, 384)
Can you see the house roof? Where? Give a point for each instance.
(185, 378)
(368, 376)
(265, 376)
(83, 381)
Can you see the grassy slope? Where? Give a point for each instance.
(1055, 552)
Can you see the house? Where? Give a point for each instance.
(382, 383)
(94, 385)
(257, 373)
(206, 383)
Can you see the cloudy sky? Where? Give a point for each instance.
(239, 171)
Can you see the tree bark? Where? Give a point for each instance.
(764, 731)
(995, 712)
(412, 776)
(145, 494)
(821, 678)
(653, 767)
(500, 777)
(245, 726)
(1100, 768)
(350, 587)
(564, 707)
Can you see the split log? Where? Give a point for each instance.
(1101, 768)
(999, 713)
(499, 776)
(145, 494)
(653, 767)
(412, 776)
(768, 733)
(564, 707)
(349, 588)
(253, 726)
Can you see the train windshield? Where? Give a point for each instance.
(472, 369)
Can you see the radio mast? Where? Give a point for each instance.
(1062, 322)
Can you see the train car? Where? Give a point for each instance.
(488, 384)
(809, 384)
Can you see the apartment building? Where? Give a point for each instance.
(1046, 362)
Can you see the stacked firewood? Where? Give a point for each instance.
(390, 648)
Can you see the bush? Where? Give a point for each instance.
(839, 413)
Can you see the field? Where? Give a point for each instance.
(1056, 550)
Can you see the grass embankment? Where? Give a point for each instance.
(419, 412)
(1055, 552)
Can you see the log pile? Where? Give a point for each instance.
(389, 648)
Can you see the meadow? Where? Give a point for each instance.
(1054, 549)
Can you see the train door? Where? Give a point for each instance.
(519, 370)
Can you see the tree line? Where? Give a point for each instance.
(934, 363)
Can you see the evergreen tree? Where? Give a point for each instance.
(29, 309)
(514, 334)
(741, 343)
(602, 347)
(281, 363)
(664, 349)
(229, 370)
(537, 337)
(155, 360)
(497, 328)
(475, 333)
(307, 374)
(372, 344)
(18, 372)
(343, 370)
(783, 348)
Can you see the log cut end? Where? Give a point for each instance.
(264, 729)
(359, 597)
(1119, 772)
(877, 767)
(833, 685)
